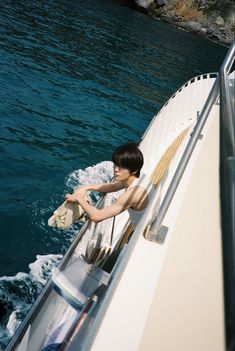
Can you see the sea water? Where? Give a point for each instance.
(77, 78)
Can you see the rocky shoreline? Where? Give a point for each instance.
(211, 19)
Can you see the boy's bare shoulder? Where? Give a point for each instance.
(137, 189)
(135, 194)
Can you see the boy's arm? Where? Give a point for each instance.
(104, 188)
(97, 215)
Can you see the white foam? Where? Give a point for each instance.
(100, 173)
(30, 285)
(18, 276)
(41, 269)
(15, 319)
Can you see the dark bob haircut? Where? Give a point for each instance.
(129, 156)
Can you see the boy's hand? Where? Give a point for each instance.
(81, 193)
(71, 197)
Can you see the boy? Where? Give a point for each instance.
(128, 161)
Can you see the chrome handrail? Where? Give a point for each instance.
(227, 194)
(154, 227)
(226, 107)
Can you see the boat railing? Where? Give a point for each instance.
(155, 226)
(180, 90)
(227, 191)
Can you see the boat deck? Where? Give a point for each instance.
(187, 308)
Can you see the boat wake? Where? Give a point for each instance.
(18, 293)
(100, 173)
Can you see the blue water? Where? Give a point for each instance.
(77, 78)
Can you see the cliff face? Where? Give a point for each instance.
(214, 19)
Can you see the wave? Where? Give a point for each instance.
(18, 293)
(100, 173)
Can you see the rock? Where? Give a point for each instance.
(182, 24)
(215, 36)
(194, 26)
(214, 23)
(228, 40)
(162, 2)
(229, 16)
(172, 20)
(201, 4)
(144, 3)
(190, 25)
(231, 21)
(203, 31)
(209, 30)
(219, 21)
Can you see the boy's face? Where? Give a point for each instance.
(120, 174)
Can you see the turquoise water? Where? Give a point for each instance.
(77, 78)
